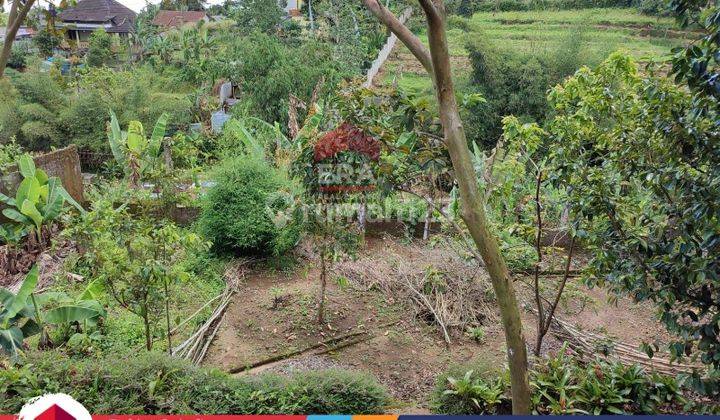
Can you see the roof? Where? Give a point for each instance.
(173, 18)
(120, 17)
(23, 32)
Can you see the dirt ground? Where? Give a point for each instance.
(274, 313)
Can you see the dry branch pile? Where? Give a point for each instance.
(443, 288)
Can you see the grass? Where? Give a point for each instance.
(602, 31)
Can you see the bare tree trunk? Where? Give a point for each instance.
(323, 285)
(15, 20)
(473, 211)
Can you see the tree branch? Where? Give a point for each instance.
(413, 43)
(430, 10)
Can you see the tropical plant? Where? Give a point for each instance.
(486, 396)
(637, 155)
(133, 151)
(17, 315)
(39, 199)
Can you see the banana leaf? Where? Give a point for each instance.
(29, 209)
(7, 200)
(15, 215)
(73, 313)
(115, 137)
(11, 340)
(136, 141)
(12, 306)
(26, 166)
(54, 201)
(158, 135)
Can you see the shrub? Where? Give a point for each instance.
(516, 83)
(100, 49)
(46, 41)
(153, 383)
(474, 388)
(563, 385)
(236, 216)
(18, 54)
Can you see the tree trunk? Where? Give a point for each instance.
(323, 285)
(15, 19)
(473, 211)
(148, 337)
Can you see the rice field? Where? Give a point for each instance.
(594, 32)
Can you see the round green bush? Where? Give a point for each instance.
(236, 213)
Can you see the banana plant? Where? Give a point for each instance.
(39, 199)
(17, 316)
(21, 316)
(85, 309)
(132, 150)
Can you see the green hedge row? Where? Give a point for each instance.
(154, 383)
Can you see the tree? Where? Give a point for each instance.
(261, 15)
(437, 63)
(100, 49)
(46, 41)
(17, 15)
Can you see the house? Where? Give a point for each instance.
(292, 8)
(90, 15)
(24, 32)
(174, 19)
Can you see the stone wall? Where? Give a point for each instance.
(63, 163)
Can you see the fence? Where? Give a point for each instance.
(386, 50)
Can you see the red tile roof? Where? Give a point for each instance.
(172, 18)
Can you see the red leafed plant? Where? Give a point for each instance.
(344, 138)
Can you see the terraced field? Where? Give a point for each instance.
(594, 32)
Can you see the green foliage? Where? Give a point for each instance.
(38, 200)
(468, 7)
(237, 214)
(258, 15)
(17, 316)
(475, 388)
(138, 155)
(638, 159)
(18, 55)
(46, 41)
(154, 383)
(515, 83)
(271, 70)
(9, 152)
(562, 385)
(100, 49)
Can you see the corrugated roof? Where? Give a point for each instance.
(100, 11)
(173, 18)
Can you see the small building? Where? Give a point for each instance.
(169, 19)
(292, 8)
(89, 15)
(24, 32)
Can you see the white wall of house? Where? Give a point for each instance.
(292, 4)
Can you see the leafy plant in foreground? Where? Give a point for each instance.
(38, 200)
(17, 315)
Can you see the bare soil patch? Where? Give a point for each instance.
(274, 313)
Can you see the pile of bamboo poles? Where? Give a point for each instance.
(195, 348)
(585, 346)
